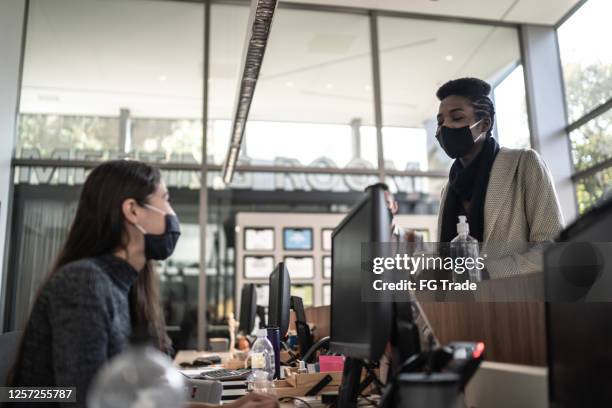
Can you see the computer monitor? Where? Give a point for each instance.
(301, 326)
(279, 299)
(579, 333)
(364, 337)
(248, 308)
(359, 330)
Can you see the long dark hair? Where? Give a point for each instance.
(98, 229)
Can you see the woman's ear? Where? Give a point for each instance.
(486, 125)
(130, 210)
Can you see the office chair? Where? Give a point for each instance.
(9, 342)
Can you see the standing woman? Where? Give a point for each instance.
(507, 194)
(103, 283)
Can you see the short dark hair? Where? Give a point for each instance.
(477, 91)
(384, 186)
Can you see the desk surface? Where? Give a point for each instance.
(187, 356)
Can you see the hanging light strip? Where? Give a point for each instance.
(260, 23)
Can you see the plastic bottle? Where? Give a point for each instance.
(139, 377)
(262, 361)
(465, 246)
(261, 384)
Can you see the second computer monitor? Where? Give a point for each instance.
(280, 299)
(248, 308)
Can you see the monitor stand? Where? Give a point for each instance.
(405, 339)
(303, 331)
(404, 344)
(349, 387)
(261, 313)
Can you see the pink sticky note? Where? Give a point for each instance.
(331, 363)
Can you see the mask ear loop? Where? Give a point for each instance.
(149, 206)
(471, 127)
(139, 228)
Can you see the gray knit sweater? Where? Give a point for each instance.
(80, 321)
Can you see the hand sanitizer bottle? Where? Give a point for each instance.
(466, 247)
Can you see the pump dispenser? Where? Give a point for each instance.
(463, 227)
(465, 246)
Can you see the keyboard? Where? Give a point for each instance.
(224, 374)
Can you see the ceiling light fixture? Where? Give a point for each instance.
(258, 32)
(449, 58)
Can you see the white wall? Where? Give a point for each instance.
(12, 15)
(316, 221)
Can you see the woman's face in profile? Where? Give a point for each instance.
(154, 222)
(455, 112)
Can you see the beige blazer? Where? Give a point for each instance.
(521, 206)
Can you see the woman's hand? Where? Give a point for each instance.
(255, 400)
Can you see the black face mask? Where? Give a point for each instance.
(161, 246)
(456, 142)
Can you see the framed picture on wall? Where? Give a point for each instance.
(326, 294)
(259, 239)
(300, 267)
(327, 267)
(305, 291)
(297, 239)
(326, 239)
(258, 267)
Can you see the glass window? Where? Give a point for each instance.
(591, 189)
(586, 57)
(228, 27)
(102, 80)
(101, 76)
(54, 136)
(592, 142)
(416, 58)
(175, 140)
(314, 94)
(511, 118)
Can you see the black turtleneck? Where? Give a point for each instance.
(469, 184)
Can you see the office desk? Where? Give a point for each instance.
(187, 356)
(514, 332)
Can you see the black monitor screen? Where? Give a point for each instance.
(248, 308)
(579, 333)
(358, 329)
(280, 299)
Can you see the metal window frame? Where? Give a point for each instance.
(167, 166)
(203, 204)
(570, 13)
(7, 291)
(584, 119)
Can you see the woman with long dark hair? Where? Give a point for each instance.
(102, 284)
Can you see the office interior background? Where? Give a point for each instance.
(96, 80)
